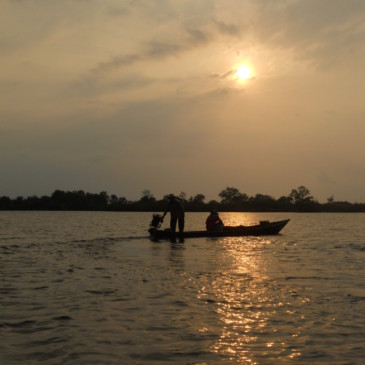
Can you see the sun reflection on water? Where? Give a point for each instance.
(245, 304)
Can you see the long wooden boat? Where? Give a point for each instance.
(265, 228)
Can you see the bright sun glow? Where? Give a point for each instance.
(244, 72)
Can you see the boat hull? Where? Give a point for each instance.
(262, 229)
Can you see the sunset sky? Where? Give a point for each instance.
(122, 96)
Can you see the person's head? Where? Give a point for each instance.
(170, 196)
(214, 212)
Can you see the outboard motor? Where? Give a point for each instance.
(156, 221)
(155, 225)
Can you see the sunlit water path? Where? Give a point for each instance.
(91, 288)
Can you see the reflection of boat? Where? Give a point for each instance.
(263, 229)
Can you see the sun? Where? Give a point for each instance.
(243, 72)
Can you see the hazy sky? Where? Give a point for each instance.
(129, 95)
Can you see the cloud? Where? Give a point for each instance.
(322, 32)
(228, 29)
(121, 92)
(224, 75)
(156, 50)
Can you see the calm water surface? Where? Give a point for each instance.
(91, 288)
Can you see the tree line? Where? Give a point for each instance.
(231, 200)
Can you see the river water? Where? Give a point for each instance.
(91, 288)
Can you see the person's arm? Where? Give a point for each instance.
(166, 210)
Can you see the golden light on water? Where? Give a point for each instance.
(247, 302)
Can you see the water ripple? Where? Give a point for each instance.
(85, 288)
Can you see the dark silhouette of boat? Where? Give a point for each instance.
(264, 228)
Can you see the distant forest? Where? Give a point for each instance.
(231, 200)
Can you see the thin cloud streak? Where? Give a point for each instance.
(156, 50)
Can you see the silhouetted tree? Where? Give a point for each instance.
(118, 204)
(5, 203)
(261, 202)
(213, 205)
(232, 196)
(196, 203)
(197, 199)
(147, 196)
(19, 202)
(303, 201)
(103, 200)
(300, 195)
(284, 203)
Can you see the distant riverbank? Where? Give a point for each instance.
(231, 200)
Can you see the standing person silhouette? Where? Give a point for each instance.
(176, 209)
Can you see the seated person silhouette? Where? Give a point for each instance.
(214, 223)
